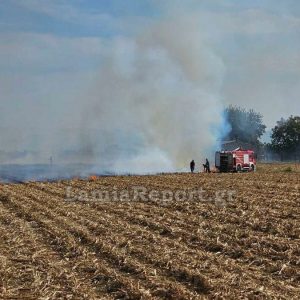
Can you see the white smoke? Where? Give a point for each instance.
(160, 89)
(153, 105)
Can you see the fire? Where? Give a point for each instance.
(93, 177)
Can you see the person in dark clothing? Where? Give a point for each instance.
(192, 166)
(207, 166)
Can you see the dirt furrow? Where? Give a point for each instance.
(122, 226)
(109, 254)
(36, 268)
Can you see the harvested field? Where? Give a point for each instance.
(65, 240)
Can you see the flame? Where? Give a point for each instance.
(93, 177)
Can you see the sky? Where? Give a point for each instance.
(52, 52)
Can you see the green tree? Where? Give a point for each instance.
(246, 125)
(286, 136)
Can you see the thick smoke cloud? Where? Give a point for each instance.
(157, 94)
(151, 105)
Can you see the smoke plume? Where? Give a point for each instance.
(157, 95)
(152, 106)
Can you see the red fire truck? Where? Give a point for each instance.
(237, 160)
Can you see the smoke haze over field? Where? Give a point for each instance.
(139, 87)
(159, 90)
(151, 105)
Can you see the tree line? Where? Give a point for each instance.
(247, 126)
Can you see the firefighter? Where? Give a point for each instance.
(206, 166)
(192, 166)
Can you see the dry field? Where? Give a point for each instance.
(247, 247)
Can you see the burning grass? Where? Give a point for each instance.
(248, 248)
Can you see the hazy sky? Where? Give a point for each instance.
(51, 50)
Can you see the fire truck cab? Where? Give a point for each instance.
(237, 160)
